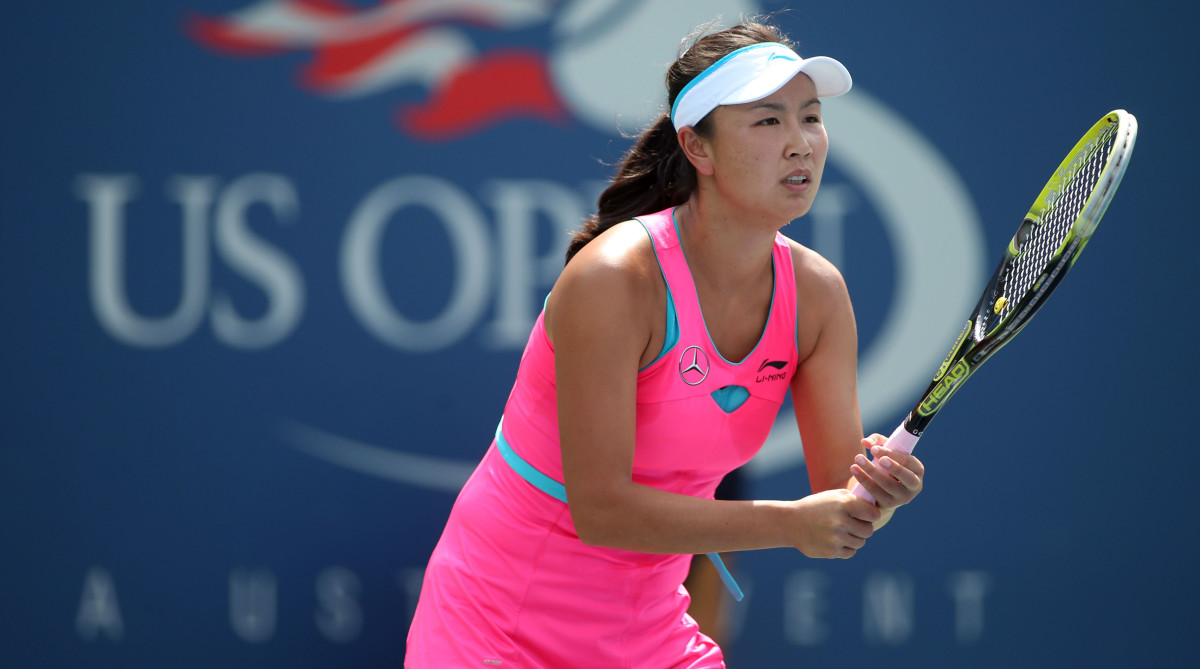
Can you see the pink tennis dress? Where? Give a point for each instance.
(511, 585)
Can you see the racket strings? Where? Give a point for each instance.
(1046, 237)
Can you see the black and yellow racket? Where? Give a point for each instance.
(1046, 245)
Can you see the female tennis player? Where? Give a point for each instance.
(658, 365)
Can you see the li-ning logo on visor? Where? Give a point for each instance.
(693, 365)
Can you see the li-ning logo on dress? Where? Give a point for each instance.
(693, 365)
(769, 376)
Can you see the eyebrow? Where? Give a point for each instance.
(775, 106)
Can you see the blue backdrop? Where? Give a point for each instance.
(267, 268)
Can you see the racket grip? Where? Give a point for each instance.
(901, 440)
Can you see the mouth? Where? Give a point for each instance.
(797, 179)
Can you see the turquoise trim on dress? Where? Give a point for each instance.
(729, 398)
(527, 471)
(559, 491)
(672, 335)
(770, 312)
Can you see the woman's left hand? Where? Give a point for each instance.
(893, 478)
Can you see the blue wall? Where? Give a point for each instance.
(257, 321)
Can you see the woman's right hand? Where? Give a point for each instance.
(832, 524)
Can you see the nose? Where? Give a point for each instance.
(798, 145)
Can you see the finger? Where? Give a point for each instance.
(901, 485)
(848, 538)
(865, 478)
(861, 530)
(872, 469)
(907, 460)
(874, 440)
(901, 467)
(908, 479)
(882, 486)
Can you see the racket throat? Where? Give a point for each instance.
(944, 388)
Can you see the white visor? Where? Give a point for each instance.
(752, 73)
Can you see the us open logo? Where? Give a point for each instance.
(600, 64)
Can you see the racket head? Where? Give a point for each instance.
(1044, 247)
(1060, 222)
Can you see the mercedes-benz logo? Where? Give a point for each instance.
(693, 365)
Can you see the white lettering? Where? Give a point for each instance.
(264, 265)
(888, 608)
(99, 612)
(888, 612)
(804, 608)
(252, 604)
(517, 204)
(362, 275)
(968, 589)
(528, 264)
(339, 618)
(247, 254)
(106, 197)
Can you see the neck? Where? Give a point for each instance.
(725, 250)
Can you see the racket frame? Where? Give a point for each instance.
(976, 343)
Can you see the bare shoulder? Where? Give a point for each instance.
(615, 276)
(822, 299)
(622, 257)
(817, 279)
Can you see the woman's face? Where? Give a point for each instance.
(767, 156)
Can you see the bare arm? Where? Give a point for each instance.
(601, 318)
(825, 396)
(825, 387)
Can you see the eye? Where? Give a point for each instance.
(812, 118)
(768, 121)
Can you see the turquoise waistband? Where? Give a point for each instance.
(559, 491)
(527, 471)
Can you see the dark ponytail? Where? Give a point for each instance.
(655, 174)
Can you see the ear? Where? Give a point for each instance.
(697, 149)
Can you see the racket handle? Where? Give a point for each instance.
(901, 440)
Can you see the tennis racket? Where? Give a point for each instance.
(1046, 245)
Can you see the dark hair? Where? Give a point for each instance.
(655, 174)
